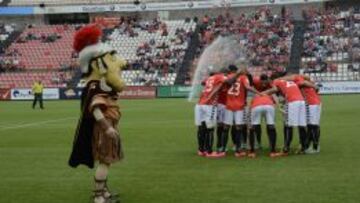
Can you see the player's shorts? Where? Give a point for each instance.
(263, 110)
(207, 114)
(237, 117)
(313, 114)
(221, 113)
(295, 113)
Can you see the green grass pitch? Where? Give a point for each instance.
(161, 165)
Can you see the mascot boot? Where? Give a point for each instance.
(97, 139)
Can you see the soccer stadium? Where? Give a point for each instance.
(179, 101)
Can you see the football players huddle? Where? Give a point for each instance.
(223, 107)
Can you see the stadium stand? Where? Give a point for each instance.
(43, 47)
(5, 30)
(158, 52)
(266, 36)
(154, 50)
(39, 52)
(331, 45)
(26, 79)
(6, 36)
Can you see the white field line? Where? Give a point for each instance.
(70, 118)
(5, 125)
(35, 123)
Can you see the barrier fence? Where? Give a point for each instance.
(142, 92)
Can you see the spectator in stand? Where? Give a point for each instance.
(330, 38)
(266, 36)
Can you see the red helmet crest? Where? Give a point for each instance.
(88, 35)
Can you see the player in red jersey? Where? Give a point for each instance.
(206, 112)
(313, 102)
(221, 140)
(235, 114)
(295, 111)
(262, 105)
(227, 84)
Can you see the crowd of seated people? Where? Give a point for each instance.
(127, 26)
(43, 37)
(15, 68)
(5, 31)
(355, 42)
(159, 47)
(266, 36)
(331, 40)
(9, 61)
(167, 54)
(153, 55)
(40, 47)
(10, 65)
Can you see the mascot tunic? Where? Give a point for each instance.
(97, 138)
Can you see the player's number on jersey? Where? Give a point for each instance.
(290, 83)
(235, 89)
(209, 85)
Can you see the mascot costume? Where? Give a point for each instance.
(97, 138)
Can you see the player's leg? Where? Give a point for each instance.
(258, 137)
(258, 133)
(209, 140)
(288, 127)
(225, 137)
(222, 141)
(255, 129)
(245, 128)
(201, 129)
(301, 123)
(243, 136)
(202, 133)
(314, 126)
(233, 134)
(253, 133)
(288, 135)
(221, 136)
(228, 121)
(237, 139)
(310, 137)
(271, 129)
(317, 128)
(241, 132)
(211, 113)
(316, 144)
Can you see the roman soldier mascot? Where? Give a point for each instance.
(97, 140)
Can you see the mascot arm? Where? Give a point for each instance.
(105, 125)
(98, 114)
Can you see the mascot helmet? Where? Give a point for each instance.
(98, 61)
